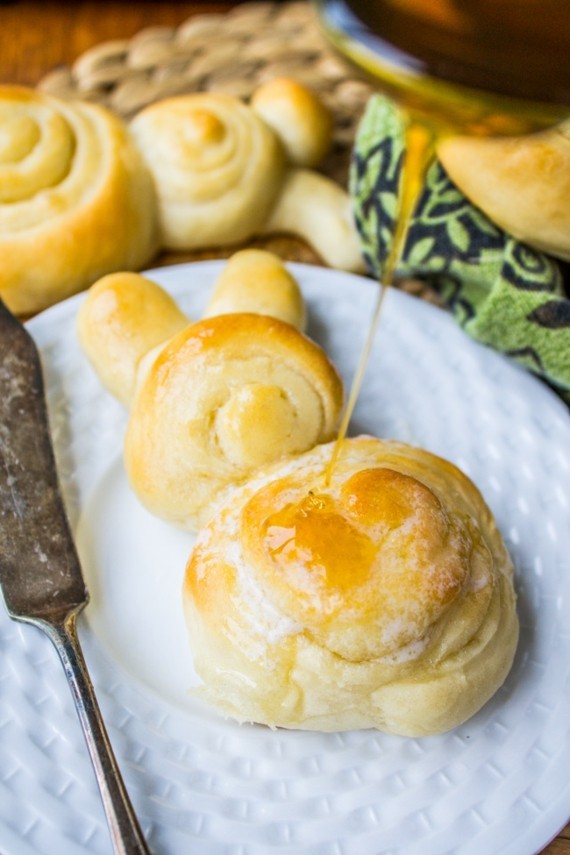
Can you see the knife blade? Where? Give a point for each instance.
(40, 573)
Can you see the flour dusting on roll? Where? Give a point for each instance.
(382, 599)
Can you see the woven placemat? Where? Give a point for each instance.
(233, 53)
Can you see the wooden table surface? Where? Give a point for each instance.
(38, 35)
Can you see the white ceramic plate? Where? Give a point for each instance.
(498, 784)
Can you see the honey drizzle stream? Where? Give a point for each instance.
(419, 142)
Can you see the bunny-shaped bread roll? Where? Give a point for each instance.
(221, 171)
(218, 399)
(382, 597)
(222, 398)
(76, 200)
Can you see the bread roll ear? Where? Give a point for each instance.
(521, 183)
(298, 117)
(123, 317)
(257, 281)
(76, 200)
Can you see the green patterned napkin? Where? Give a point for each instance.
(502, 292)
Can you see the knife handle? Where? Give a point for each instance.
(126, 833)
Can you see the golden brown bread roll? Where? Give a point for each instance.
(126, 316)
(222, 398)
(383, 598)
(210, 401)
(255, 280)
(298, 117)
(217, 167)
(222, 177)
(76, 200)
(521, 183)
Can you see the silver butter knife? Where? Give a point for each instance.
(40, 574)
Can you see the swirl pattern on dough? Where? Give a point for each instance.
(383, 598)
(76, 201)
(211, 401)
(217, 166)
(222, 398)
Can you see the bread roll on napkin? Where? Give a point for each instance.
(521, 183)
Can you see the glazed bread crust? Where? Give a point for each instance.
(210, 401)
(222, 398)
(123, 317)
(255, 280)
(76, 200)
(382, 599)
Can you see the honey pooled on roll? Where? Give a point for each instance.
(384, 599)
(212, 401)
(76, 200)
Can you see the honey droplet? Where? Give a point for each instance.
(312, 537)
(314, 502)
